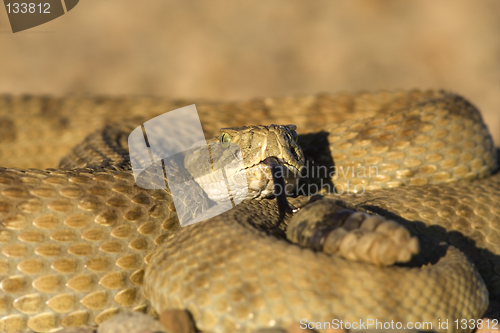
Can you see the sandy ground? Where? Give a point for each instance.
(237, 50)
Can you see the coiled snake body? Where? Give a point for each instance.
(79, 245)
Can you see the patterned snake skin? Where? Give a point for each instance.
(77, 246)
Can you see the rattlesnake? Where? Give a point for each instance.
(75, 242)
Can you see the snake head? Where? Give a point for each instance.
(259, 142)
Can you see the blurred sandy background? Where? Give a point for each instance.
(237, 50)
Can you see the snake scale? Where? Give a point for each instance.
(81, 243)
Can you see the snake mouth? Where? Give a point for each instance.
(273, 160)
(290, 168)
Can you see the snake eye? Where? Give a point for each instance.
(295, 137)
(225, 138)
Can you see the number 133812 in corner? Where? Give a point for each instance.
(25, 8)
(25, 15)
